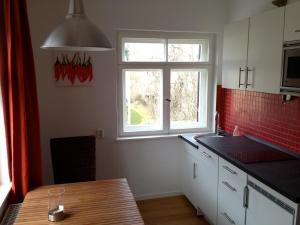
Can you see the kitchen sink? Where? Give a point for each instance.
(210, 135)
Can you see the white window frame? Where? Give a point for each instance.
(166, 68)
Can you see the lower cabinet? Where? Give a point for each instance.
(189, 175)
(267, 206)
(208, 184)
(200, 180)
(231, 194)
(226, 195)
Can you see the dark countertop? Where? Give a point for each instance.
(282, 176)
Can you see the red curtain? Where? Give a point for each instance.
(19, 96)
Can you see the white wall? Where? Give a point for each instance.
(240, 9)
(151, 166)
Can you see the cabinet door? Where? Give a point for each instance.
(185, 174)
(292, 22)
(190, 174)
(208, 184)
(265, 51)
(262, 208)
(235, 54)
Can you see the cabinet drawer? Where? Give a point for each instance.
(225, 219)
(232, 182)
(232, 193)
(232, 178)
(208, 154)
(230, 208)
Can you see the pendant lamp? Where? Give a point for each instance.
(77, 33)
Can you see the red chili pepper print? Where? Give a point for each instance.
(76, 69)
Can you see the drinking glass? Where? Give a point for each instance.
(56, 204)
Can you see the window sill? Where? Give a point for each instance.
(5, 189)
(162, 136)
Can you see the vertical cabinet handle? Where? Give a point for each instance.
(240, 74)
(246, 197)
(231, 221)
(194, 171)
(230, 170)
(247, 76)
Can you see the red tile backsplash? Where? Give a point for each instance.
(261, 115)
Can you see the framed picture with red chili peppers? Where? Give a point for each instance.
(73, 69)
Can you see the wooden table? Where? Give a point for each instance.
(87, 203)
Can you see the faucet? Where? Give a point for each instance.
(217, 123)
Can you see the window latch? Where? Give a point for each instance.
(168, 100)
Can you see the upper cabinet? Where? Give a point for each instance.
(292, 22)
(235, 54)
(265, 51)
(253, 52)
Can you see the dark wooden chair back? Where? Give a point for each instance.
(73, 159)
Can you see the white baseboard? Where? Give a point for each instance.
(157, 195)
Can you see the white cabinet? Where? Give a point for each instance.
(200, 180)
(292, 22)
(253, 51)
(235, 46)
(226, 195)
(267, 207)
(265, 51)
(232, 184)
(189, 174)
(207, 172)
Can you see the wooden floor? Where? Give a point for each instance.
(169, 211)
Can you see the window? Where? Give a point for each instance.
(188, 104)
(4, 175)
(188, 50)
(143, 105)
(165, 82)
(143, 50)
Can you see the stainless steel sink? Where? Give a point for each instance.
(209, 135)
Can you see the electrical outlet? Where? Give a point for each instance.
(99, 134)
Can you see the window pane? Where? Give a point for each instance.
(188, 106)
(188, 50)
(4, 174)
(143, 100)
(144, 50)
